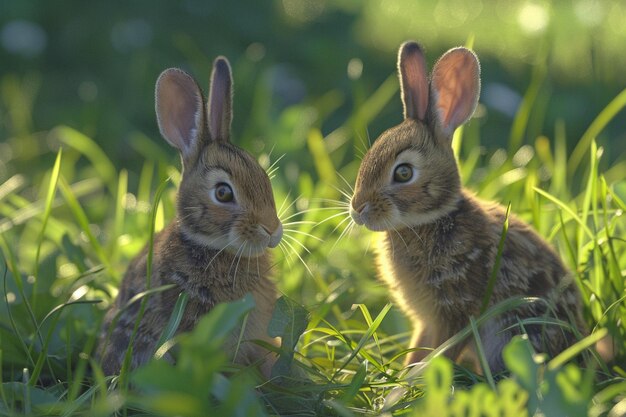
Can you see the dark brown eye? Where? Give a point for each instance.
(223, 193)
(403, 173)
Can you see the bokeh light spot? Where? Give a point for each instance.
(533, 17)
(23, 38)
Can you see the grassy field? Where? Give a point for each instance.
(78, 203)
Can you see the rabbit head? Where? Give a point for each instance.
(225, 198)
(409, 176)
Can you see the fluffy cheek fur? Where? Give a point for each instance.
(424, 201)
(202, 220)
(397, 206)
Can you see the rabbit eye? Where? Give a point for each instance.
(223, 193)
(403, 173)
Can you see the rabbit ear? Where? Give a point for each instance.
(220, 103)
(179, 110)
(413, 80)
(456, 87)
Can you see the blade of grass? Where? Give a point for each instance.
(594, 129)
(24, 214)
(173, 323)
(530, 96)
(570, 249)
(43, 356)
(588, 196)
(496, 265)
(12, 185)
(567, 209)
(355, 385)
(569, 353)
(614, 267)
(364, 114)
(368, 320)
(6, 301)
(52, 186)
(480, 352)
(96, 156)
(17, 277)
(145, 181)
(120, 210)
(76, 383)
(321, 159)
(370, 331)
(558, 185)
(412, 376)
(83, 222)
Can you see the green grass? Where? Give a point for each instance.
(69, 227)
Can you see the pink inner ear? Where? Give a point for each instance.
(179, 107)
(456, 83)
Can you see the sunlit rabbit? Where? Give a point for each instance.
(440, 241)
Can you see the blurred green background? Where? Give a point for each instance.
(92, 65)
(315, 83)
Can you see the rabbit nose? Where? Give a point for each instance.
(274, 235)
(362, 208)
(357, 213)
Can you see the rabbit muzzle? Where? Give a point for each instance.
(358, 213)
(273, 236)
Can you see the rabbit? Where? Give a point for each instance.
(440, 242)
(215, 249)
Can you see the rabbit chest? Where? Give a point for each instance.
(443, 268)
(209, 277)
(440, 269)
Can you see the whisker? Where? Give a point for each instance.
(346, 182)
(299, 222)
(413, 230)
(365, 145)
(215, 256)
(304, 233)
(258, 268)
(238, 258)
(286, 255)
(299, 257)
(344, 232)
(343, 213)
(280, 209)
(390, 227)
(274, 164)
(293, 239)
(248, 266)
(348, 219)
(393, 248)
(308, 211)
(330, 200)
(367, 248)
(344, 193)
(269, 154)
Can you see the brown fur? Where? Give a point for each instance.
(213, 251)
(440, 241)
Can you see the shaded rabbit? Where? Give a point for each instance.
(440, 241)
(215, 249)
